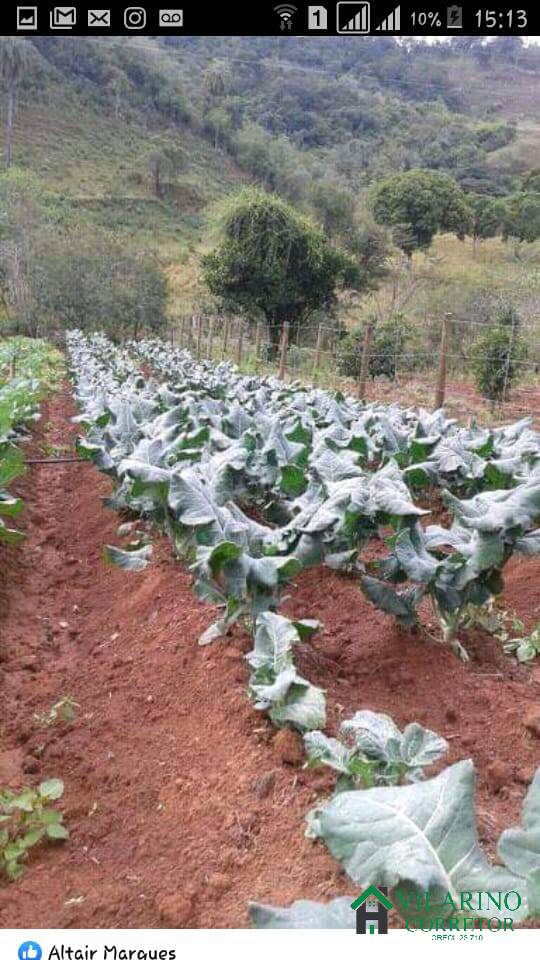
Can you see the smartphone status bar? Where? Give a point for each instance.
(344, 18)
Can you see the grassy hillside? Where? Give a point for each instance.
(94, 167)
(300, 117)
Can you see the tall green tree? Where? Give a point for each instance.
(275, 262)
(13, 64)
(485, 219)
(520, 217)
(418, 204)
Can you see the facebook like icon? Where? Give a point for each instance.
(30, 950)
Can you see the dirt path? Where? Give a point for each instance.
(179, 802)
(180, 808)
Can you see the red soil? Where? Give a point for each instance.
(179, 802)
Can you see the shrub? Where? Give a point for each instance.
(496, 357)
(390, 338)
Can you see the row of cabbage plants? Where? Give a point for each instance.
(254, 480)
(19, 405)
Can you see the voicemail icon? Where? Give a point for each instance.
(99, 18)
(63, 18)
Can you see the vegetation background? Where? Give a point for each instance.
(119, 153)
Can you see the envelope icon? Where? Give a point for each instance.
(63, 18)
(99, 18)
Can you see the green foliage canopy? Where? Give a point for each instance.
(418, 204)
(497, 356)
(274, 261)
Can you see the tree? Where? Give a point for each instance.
(418, 204)
(118, 86)
(275, 262)
(333, 206)
(485, 220)
(164, 161)
(13, 64)
(531, 181)
(520, 216)
(215, 81)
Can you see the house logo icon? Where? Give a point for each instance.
(372, 908)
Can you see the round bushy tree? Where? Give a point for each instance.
(418, 204)
(275, 262)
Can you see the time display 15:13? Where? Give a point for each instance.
(501, 19)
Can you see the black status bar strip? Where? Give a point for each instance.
(346, 18)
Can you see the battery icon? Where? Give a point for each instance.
(454, 18)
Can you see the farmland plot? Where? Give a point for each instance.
(254, 481)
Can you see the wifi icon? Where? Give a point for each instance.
(285, 12)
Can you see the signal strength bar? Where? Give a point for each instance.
(352, 17)
(392, 23)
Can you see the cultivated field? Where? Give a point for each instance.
(267, 603)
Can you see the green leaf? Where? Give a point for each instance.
(57, 832)
(306, 628)
(327, 750)
(303, 707)
(293, 480)
(134, 560)
(519, 847)
(275, 637)
(25, 801)
(51, 789)
(222, 554)
(10, 506)
(304, 914)
(530, 544)
(10, 537)
(413, 556)
(31, 837)
(422, 835)
(387, 600)
(11, 465)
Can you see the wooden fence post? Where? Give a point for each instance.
(283, 350)
(210, 350)
(225, 339)
(12, 366)
(509, 357)
(240, 343)
(199, 337)
(183, 332)
(443, 363)
(318, 347)
(257, 343)
(364, 363)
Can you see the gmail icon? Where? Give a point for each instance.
(99, 18)
(63, 18)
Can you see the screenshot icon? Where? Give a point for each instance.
(26, 18)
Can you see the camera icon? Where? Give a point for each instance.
(134, 18)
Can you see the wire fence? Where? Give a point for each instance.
(440, 372)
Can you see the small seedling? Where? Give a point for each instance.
(61, 712)
(26, 818)
(525, 646)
